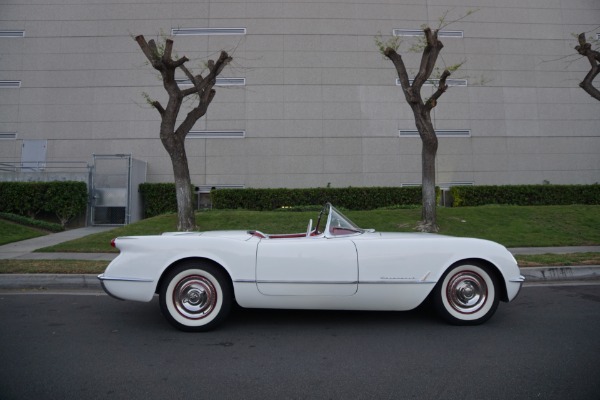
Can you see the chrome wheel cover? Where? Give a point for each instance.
(195, 297)
(467, 292)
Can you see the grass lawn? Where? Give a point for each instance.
(539, 260)
(97, 267)
(11, 232)
(52, 267)
(512, 226)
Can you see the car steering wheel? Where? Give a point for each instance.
(309, 229)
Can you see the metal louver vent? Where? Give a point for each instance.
(216, 134)
(8, 135)
(10, 84)
(448, 185)
(208, 188)
(11, 34)
(207, 31)
(419, 32)
(435, 82)
(220, 82)
(439, 133)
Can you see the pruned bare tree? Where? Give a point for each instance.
(585, 49)
(421, 109)
(171, 135)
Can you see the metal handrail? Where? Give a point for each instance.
(38, 166)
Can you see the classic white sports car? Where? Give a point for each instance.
(339, 266)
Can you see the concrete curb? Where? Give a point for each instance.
(90, 282)
(50, 282)
(556, 274)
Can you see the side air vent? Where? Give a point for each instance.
(439, 133)
(207, 31)
(10, 84)
(220, 82)
(9, 34)
(216, 134)
(419, 32)
(8, 135)
(435, 82)
(208, 188)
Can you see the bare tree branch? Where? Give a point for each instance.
(402, 73)
(585, 49)
(429, 57)
(441, 89)
(150, 51)
(158, 106)
(166, 57)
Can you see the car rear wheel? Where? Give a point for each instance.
(467, 294)
(195, 296)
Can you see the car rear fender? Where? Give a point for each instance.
(186, 259)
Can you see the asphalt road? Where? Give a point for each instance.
(542, 346)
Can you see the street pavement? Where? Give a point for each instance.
(25, 250)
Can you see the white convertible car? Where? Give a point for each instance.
(335, 265)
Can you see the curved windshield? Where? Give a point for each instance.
(338, 224)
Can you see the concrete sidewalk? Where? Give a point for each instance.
(24, 250)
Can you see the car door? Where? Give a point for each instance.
(311, 266)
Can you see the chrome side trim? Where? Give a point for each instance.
(101, 277)
(521, 278)
(382, 282)
(312, 282)
(397, 282)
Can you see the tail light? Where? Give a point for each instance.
(112, 243)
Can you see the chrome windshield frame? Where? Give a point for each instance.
(343, 223)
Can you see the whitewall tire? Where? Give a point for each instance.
(467, 294)
(195, 296)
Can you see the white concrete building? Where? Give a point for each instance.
(308, 100)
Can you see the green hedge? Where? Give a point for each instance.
(158, 198)
(65, 199)
(35, 223)
(525, 195)
(352, 198)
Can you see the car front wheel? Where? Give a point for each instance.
(467, 294)
(195, 296)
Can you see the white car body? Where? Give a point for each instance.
(339, 268)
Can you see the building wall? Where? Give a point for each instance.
(320, 104)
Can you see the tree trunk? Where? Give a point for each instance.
(585, 49)
(428, 154)
(186, 219)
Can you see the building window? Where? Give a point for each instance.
(419, 32)
(207, 31)
(12, 34)
(220, 82)
(435, 82)
(10, 84)
(439, 133)
(216, 134)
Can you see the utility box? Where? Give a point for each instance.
(115, 199)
